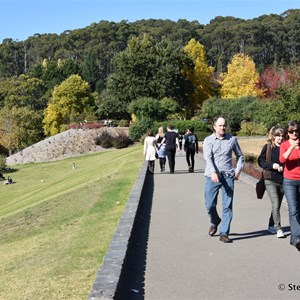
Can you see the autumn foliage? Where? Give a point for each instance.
(241, 78)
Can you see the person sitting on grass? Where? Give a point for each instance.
(8, 180)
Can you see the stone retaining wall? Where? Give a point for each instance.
(70, 143)
(108, 275)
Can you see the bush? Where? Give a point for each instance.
(234, 110)
(202, 135)
(123, 123)
(2, 162)
(104, 139)
(121, 141)
(137, 130)
(252, 128)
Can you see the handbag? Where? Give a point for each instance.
(156, 155)
(260, 188)
(260, 185)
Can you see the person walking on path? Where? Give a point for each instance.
(190, 148)
(268, 160)
(150, 150)
(220, 174)
(171, 140)
(290, 156)
(161, 148)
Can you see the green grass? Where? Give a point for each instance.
(56, 223)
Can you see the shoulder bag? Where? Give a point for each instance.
(260, 185)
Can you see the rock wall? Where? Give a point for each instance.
(70, 143)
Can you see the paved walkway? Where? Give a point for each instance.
(183, 262)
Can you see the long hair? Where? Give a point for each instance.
(274, 131)
(161, 131)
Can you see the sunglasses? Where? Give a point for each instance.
(293, 131)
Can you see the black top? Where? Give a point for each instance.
(191, 142)
(264, 164)
(171, 138)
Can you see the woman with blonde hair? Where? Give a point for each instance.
(268, 160)
(161, 148)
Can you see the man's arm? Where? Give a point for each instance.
(208, 156)
(239, 159)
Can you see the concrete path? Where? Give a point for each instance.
(183, 262)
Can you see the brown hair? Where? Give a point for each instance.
(274, 131)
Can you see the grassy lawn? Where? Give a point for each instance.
(252, 145)
(56, 223)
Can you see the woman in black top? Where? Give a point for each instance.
(273, 175)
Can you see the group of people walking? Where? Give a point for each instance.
(279, 158)
(280, 161)
(164, 145)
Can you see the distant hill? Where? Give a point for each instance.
(70, 143)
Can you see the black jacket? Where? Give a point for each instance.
(268, 166)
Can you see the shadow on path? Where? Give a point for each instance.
(255, 234)
(131, 283)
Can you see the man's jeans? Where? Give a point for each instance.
(211, 198)
(291, 190)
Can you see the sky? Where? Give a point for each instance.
(20, 19)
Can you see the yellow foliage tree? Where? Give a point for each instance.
(9, 129)
(200, 75)
(71, 101)
(241, 78)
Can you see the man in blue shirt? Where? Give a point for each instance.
(220, 173)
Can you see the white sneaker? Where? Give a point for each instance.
(272, 229)
(280, 233)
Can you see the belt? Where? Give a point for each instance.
(226, 174)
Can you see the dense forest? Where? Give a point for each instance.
(150, 70)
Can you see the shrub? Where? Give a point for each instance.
(122, 140)
(104, 139)
(2, 162)
(252, 128)
(123, 123)
(250, 158)
(137, 130)
(202, 135)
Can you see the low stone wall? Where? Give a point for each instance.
(70, 143)
(108, 275)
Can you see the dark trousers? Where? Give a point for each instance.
(171, 158)
(151, 164)
(162, 162)
(190, 157)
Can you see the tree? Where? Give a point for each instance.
(241, 78)
(71, 101)
(150, 108)
(20, 127)
(200, 75)
(148, 69)
(275, 79)
(26, 92)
